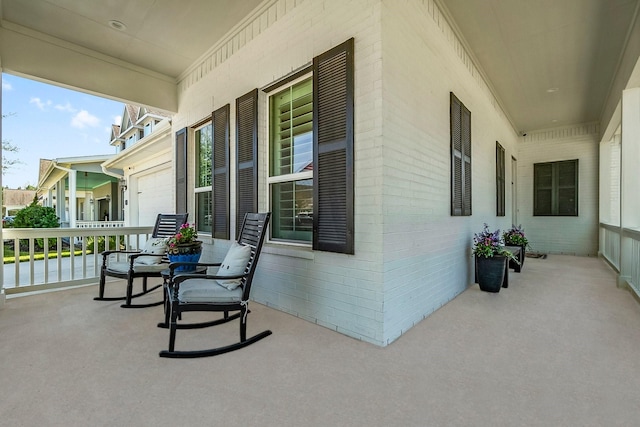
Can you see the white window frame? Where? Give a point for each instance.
(198, 190)
(303, 175)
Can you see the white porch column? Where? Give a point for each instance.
(73, 199)
(630, 176)
(60, 203)
(2, 295)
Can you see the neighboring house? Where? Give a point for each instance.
(14, 200)
(379, 146)
(144, 154)
(89, 194)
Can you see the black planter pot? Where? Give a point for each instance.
(513, 264)
(490, 272)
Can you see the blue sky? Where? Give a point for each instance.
(48, 122)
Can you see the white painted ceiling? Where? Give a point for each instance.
(165, 36)
(551, 62)
(525, 47)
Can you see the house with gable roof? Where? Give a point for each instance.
(143, 145)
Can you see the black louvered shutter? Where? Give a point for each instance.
(500, 180)
(466, 158)
(333, 86)
(220, 173)
(181, 171)
(246, 156)
(460, 124)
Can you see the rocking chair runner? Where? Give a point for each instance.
(147, 263)
(227, 290)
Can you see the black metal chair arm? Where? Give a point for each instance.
(107, 253)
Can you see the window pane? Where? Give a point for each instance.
(543, 202)
(203, 211)
(567, 201)
(292, 206)
(292, 129)
(543, 175)
(567, 174)
(203, 156)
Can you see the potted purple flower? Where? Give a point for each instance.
(515, 237)
(490, 259)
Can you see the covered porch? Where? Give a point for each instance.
(540, 106)
(558, 347)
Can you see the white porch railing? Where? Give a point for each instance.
(621, 248)
(55, 271)
(99, 224)
(610, 244)
(630, 258)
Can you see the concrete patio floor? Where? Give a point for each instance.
(559, 347)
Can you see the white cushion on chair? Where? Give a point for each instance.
(207, 290)
(123, 267)
(234, 263)
(156, 246)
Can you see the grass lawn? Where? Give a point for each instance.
(10, 258)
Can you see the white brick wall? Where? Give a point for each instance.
(566, 235)
(411, 256)
(427, 252)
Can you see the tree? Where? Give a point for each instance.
(7, 147)
(36, 216)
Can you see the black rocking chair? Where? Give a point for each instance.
(149, 262)
(226, 291)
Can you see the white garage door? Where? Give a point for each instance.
(154, 196)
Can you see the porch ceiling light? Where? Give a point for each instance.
(117, 25)
(552, 89)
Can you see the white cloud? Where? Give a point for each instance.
(117, 120)
(6, 86)
(39, 103)
(67, 107)
(84, 119)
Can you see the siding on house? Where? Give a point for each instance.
(155, 167)
(553, 234)
(411, 255)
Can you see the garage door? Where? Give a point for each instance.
(154, 196)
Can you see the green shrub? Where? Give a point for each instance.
(112, 243)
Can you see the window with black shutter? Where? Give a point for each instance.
(500, 180)
(220, 173)
(181, 171)
(311, 154)
(246, 156)
(555, 188)
(460, 124)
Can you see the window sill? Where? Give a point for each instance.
(288, 250)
